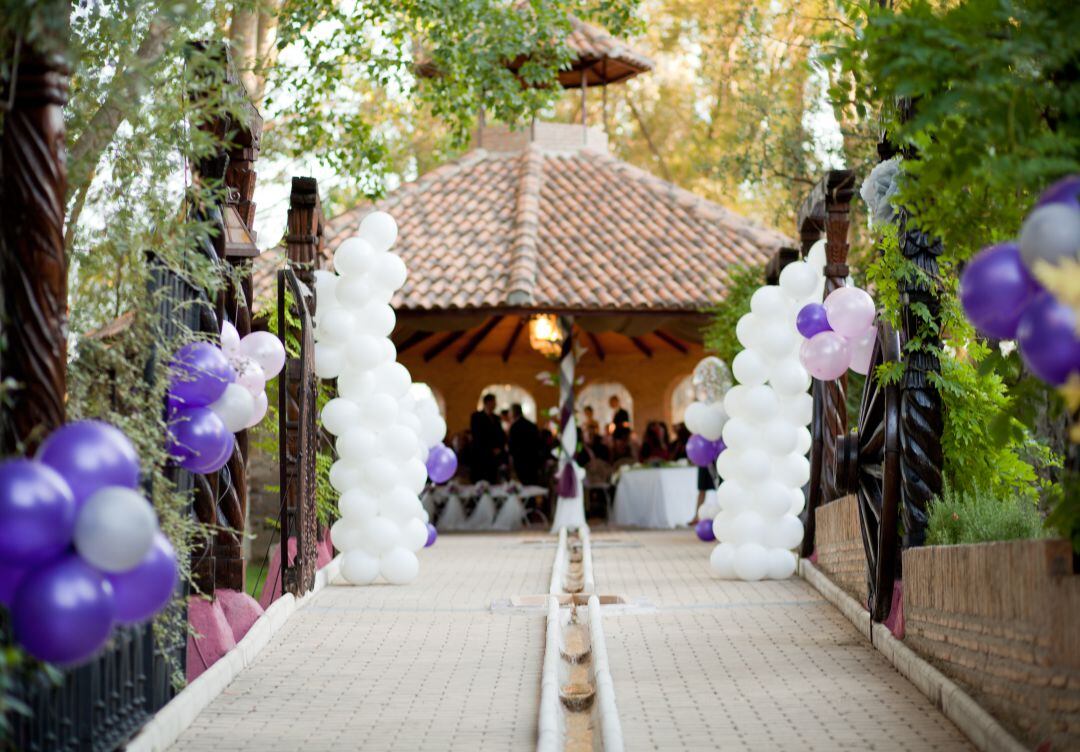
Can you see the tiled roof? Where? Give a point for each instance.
(544, 228)
(608, 59)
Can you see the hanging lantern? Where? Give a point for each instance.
(546, 336)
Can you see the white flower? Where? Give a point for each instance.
(879, 188)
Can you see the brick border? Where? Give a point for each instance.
(971, 718)
(180, 712)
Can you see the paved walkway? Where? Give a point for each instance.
(432, 666)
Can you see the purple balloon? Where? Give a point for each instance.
(995, 288)
(1047, 339)
(63, 612)
(704, 531)
(812, 319)
(198, 440)
(701, 451)
(1064, 191)
(10, 579)
(37, 513)
(432, 534)
(441, 463)
(720, 447)
(141, 592)
(91, 455)
(200, 374)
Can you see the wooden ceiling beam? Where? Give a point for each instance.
(672, 341)
(412, 340)
(513, 340)
(433, 352)
(596, 344)
(477, 338)
(645, 349)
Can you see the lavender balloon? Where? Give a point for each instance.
(812, 319)
(432, 534)
(198, 440)
(37, 513)
(63, 612)
(1047, 339)
(701, 451)
(826, 356)
(704, 530)
(441, 463)
(995, 288)
(91, 455)
(200, 374)
(141, 592)
(850, 310)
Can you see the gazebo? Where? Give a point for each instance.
(541, 224)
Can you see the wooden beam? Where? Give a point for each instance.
(672, 341)
(596, 344)
(477, 338)
(433, 352)
(412, 340)
(645, 349)
(513, 340)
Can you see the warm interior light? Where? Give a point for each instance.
(545, 335)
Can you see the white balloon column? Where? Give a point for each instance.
(383, 432)
(764, 465)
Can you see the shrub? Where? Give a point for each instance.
(978, 516)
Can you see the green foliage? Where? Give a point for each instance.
(17, 669)
(980, 516)
(1064, 503)
(720, 333)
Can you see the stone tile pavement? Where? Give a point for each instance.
(746, 666)
(430, 666)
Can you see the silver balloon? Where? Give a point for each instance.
(1050, 233)
(115, 529)
(712, 378)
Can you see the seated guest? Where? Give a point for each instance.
(525, 447)
(678, 447)
(654, 447)
(589, 422)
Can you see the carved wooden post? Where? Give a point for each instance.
(33, 267)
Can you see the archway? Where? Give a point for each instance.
(506, 395)
(597, 396)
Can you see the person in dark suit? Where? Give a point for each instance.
(488, 442)
(525, 447)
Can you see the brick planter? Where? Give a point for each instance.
(838, 548)
(1003, 619)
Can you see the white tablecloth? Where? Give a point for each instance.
(660, 497)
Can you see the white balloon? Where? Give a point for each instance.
(803, 440)
(336, 326)
(785, 533)
(357, 506)
(347, 534)
(379, 229)
(751, 562)
(772, 499)
(769, 302)
(730, 494)
(353, 293)
(862, 350)
(694, 417)
(815, 257)
(749, 367)
(748, 527)
(266, 350)
(779, 436)
(722, 561)
(797, 409)
(389, 350)
(325, 290)
(249, 374)
(761, 403)
(357, 444)
(262, 404)
(339, 415)
(798, 501)
(389, 272)
(377, 410)
(708, 510)
(354, 256)
(787, 377)
(739, 434)
(433, 430)
(1050, 233)
(365, 352)
(329, 360)
(409, 420)
(723, 524)
(377, 319)
(230, 339)
(754, 466)
(748, 330)
(793, 470)
(393, 379)
(359, 567)
(414, 534)
(735, 401)
(355, 384)
(235, 407)
(399, 504)
(780, 338)
(400, 442)
(799, 280)
(781, 564)
(414, 475)
(727, 464)
(379, 535)
(115, 529)
(399, 566)
(379, 474)
(345, 474)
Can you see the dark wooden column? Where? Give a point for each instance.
(33, 267)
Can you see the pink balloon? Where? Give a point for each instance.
(826, 356)
(266, 350)
(850, 311)
(249, 375)
(261, 404)
(862, 349)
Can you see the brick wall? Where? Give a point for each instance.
(1004, 620)
(839, 548)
